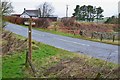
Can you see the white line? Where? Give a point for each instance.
(74, 42)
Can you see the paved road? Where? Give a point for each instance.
(94, 49)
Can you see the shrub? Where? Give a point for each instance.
(42, 23)
(68, 22)
(88, 28)
(20, 20)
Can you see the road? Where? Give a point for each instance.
(95, 49)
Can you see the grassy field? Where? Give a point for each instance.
(51, 62)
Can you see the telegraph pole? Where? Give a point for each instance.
(67, 11)
(30, 39)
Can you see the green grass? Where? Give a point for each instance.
(0, 66)
(47, 56)
(12, 66)
(43, 57)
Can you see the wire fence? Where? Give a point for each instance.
(104, 36)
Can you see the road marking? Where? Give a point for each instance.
(73, 42)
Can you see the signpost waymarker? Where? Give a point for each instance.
(30, 38)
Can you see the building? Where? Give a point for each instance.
(30, 13)
(36, 14)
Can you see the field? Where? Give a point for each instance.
(51, 62)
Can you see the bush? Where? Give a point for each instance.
(20, 20)
(88, 28)
(68, 22)
(42, 23)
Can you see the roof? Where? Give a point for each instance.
(15, 14)
(33, 13)
(52, 15)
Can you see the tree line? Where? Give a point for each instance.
(88, 13)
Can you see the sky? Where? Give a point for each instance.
(110, 6)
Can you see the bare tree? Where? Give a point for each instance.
(7, 7)
(46, 9)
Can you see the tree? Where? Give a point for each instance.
(45, 9)
(7, 8)
(99, 15)
(77, 12)
(90, 11)
(83, 12)
(87, 13)
(112, 20)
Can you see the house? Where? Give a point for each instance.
(51, 17)
(36, 14)
(30, 13)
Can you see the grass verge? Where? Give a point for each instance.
(51, 62)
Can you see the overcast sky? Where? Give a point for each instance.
(110, 6)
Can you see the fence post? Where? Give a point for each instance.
(101, 37)
(113, 38)
(26, 61)
(92, 35)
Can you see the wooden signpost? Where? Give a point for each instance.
(29, 52)
(30, 38)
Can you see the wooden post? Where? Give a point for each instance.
(113, 38)
(101, 37)
(26, 61)
(92, 35)
(30, 38)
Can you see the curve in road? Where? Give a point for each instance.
(95, 49)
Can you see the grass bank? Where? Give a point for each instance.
(51, 62)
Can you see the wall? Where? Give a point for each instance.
(24, 15)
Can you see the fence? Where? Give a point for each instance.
(113, 36)
(104, 36)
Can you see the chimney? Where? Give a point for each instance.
(24, 9)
